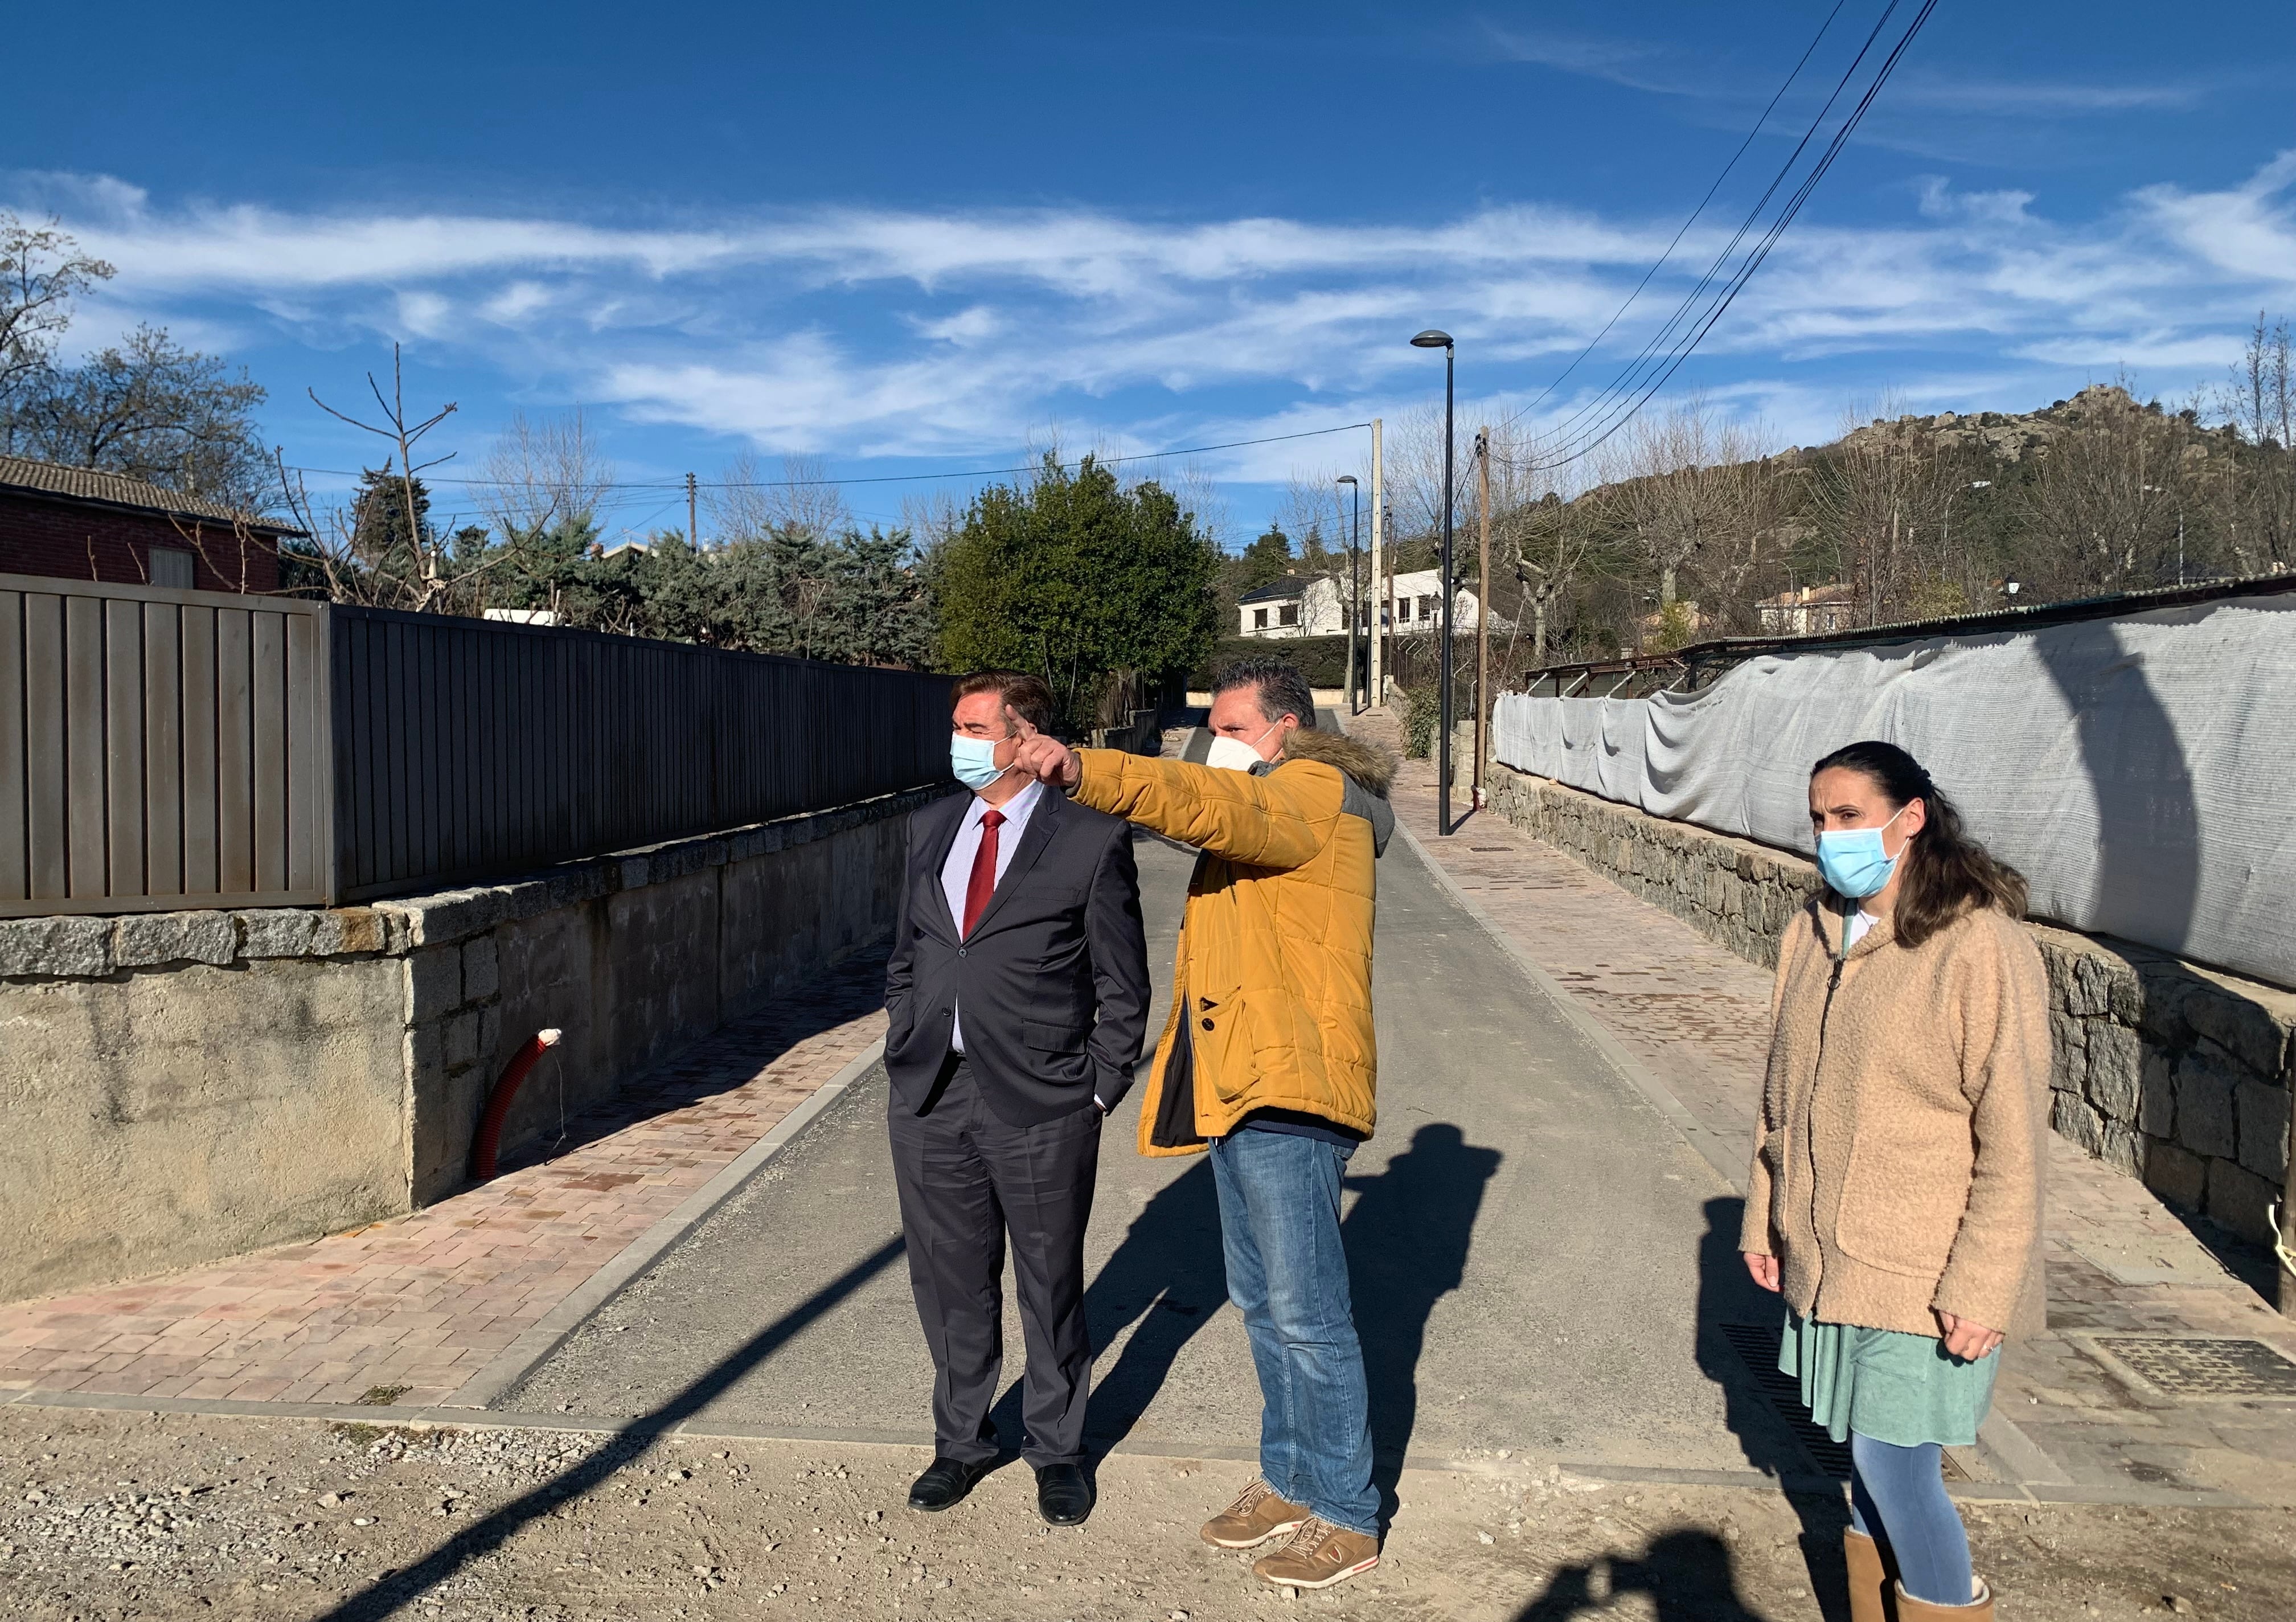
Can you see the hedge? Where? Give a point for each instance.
(1322, 660)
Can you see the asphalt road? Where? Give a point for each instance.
(1538, 1258)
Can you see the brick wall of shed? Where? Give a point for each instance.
(81, 543)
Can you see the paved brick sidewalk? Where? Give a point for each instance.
(2120, 1263)
(406, 1310)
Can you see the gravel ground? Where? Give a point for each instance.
(130, 1515)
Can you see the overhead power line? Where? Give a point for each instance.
(1658, 264)
(1618, 402)
(681, 485)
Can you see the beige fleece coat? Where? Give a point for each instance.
(1903, 1143)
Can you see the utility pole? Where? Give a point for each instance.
(1378, 551)
(1355, 587)
(692, 528)
(1483, 613)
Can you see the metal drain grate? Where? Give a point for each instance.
(2205, 1368)
(1756, 1346)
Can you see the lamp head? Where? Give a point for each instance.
(1431, 339)
(1345, 479)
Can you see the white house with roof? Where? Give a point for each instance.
(1315, 606)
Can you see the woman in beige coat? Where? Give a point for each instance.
(1896, 1192)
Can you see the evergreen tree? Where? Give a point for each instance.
(1268, 558)
(1076, 579)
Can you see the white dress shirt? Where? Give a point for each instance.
(956, 872)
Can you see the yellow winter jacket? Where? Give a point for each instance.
(1271, 1006)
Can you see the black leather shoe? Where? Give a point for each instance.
(1063, 1495)
(946, 1482)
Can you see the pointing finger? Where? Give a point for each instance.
(1019, 722)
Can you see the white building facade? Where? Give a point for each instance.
(1315, 606)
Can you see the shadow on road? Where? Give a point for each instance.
(388, 1593)
(1726, 1294)
(1688, 1575)
(1168, 1278)
(1408, 1238)
(716, 1063)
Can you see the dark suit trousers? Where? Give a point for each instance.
(967, 1179)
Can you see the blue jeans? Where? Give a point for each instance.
(1279, 1200)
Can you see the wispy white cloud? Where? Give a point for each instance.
(2038, 98)
(938, 333)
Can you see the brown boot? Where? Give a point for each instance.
(1911, 1609)
(1256, 1515)
(1871, 1599)
(1318, 1555)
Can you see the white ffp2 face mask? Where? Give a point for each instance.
(1235, 755)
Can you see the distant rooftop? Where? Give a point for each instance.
(21, 475)
(1282, 589)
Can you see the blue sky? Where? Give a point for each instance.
(919, 239)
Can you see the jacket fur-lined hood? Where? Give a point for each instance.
(1367, 765)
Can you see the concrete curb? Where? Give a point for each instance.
(1659, 1095)
(525, 1354)
(1523, 1465)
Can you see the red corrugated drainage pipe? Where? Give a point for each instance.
(490, 1124)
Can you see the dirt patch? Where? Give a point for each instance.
(110, 1516)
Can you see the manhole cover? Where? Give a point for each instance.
(2206, 1368)
(1756, 1346)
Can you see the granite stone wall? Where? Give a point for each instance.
(2167, 1070)
(183, 1086)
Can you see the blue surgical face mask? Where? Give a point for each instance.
(973, 761)
(1853, 862)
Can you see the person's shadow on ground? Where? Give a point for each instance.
(1167, 1277)
(1407, 1238)
(1688, 1575)
(1728, 1295)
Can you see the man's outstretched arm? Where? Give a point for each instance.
(1260, 820)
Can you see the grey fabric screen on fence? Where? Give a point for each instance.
(164, 748)
(2133, 768)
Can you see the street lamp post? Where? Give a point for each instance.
(1355, 589)
(1434, 340)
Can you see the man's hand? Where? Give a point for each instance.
(1045, 759)
(1967, 1339)
(1765, 1268)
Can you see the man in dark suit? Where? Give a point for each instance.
(1018, 992)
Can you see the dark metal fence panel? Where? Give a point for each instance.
(468, 749)
(159, 748)
(167, 749)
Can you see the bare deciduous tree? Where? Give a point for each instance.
(1684, 487)
(747, 506)
(542, 472)
(2100, 514)
(41, 272)
(383, 550)
(1884, 496)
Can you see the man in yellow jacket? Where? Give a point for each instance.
(1269, 1061)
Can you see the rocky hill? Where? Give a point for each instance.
(2012, 436)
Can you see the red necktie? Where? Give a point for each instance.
(982, 884)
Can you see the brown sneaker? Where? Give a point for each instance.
(1256, 1515)
(1318, 1555)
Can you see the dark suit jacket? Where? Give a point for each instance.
(1053, 978)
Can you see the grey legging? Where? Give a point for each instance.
(1898, 1498)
